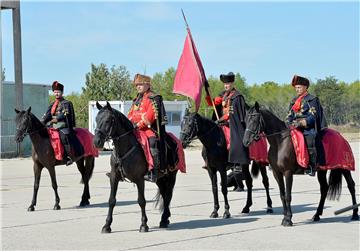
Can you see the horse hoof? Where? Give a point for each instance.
(355, 217)
(164, 224)
(287, 223)
(316, 218)
(31, 209)
(57, 207)
(106, 230)
(214, 215)
(269, 211)
(226, 215)
(245, 210)
(84, 203)
(144, 229)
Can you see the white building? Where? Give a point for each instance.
(175, 111)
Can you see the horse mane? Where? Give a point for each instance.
(37, 125)
(276, 120)
(123, 119)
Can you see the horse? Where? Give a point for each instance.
(282, 159)
(128, 161)
(43, 156)
(215, 154)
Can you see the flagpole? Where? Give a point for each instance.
(206, 84)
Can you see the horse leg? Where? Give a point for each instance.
(54, 186)
(280, 180)
(324, 187)
(37, 174)
(114, 181)
(166, 186)
(265, 181)
(249, 184)
(213, 178)
(224, 191)
(288, 182)
(142, 203)
(85, 179)
(351, 186)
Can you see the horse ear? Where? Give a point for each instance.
(28, 110)
(16, 110)
(257, 106)
(98, 106)
(108, 106)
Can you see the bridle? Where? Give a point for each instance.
(109, 136)
(195, 129)
(28, 131)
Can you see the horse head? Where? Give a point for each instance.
(23, 124)
(189, 128)
(105, 120)
(254, 125)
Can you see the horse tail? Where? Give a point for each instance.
(255, 169)
(335, 181)
(159, 201)
(89, 166)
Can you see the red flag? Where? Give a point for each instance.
(190, 74)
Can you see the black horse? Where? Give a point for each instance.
(215, 154)
(283, 162)
(128, 161)
(43, 156)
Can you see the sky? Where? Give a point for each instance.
(262, 40)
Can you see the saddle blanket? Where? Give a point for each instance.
(257, 150)
(338, 153)
(85, 137)
(144, 142)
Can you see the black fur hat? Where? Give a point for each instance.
(57, 86)
(227, 78)
(297, 80)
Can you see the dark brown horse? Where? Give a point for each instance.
(215, 154)
(128, 161)
(43, 156)
(283, 162)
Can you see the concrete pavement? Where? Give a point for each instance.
(190, 228)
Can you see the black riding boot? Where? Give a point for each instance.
(239, 183)
(153, 174)
(69, 159)
(310, 141)
(237, 169)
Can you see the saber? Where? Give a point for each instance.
(342, 210)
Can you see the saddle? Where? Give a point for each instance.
(174, 151)
(340, 156)
(84, 137)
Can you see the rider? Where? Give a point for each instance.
(60, 115)
(231, 108)
(306, 113)
(147, 113)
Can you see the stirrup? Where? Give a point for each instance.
(310, 171)
(150, 176)
(69, 161)
(237, 169)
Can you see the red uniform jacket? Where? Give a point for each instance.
(142, 113)
(224, 101)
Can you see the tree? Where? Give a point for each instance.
(331, 95)
(104, 84)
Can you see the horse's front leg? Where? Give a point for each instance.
(280, 180)
(248, 181)
(265, 181)
(224, 191)
(324, 187)
(37, 174)
(142, 203)
(213, 178)
(54, 186)
(289, 181)
(166, 187)
(114, 181)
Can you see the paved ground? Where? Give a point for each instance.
(191, 227)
